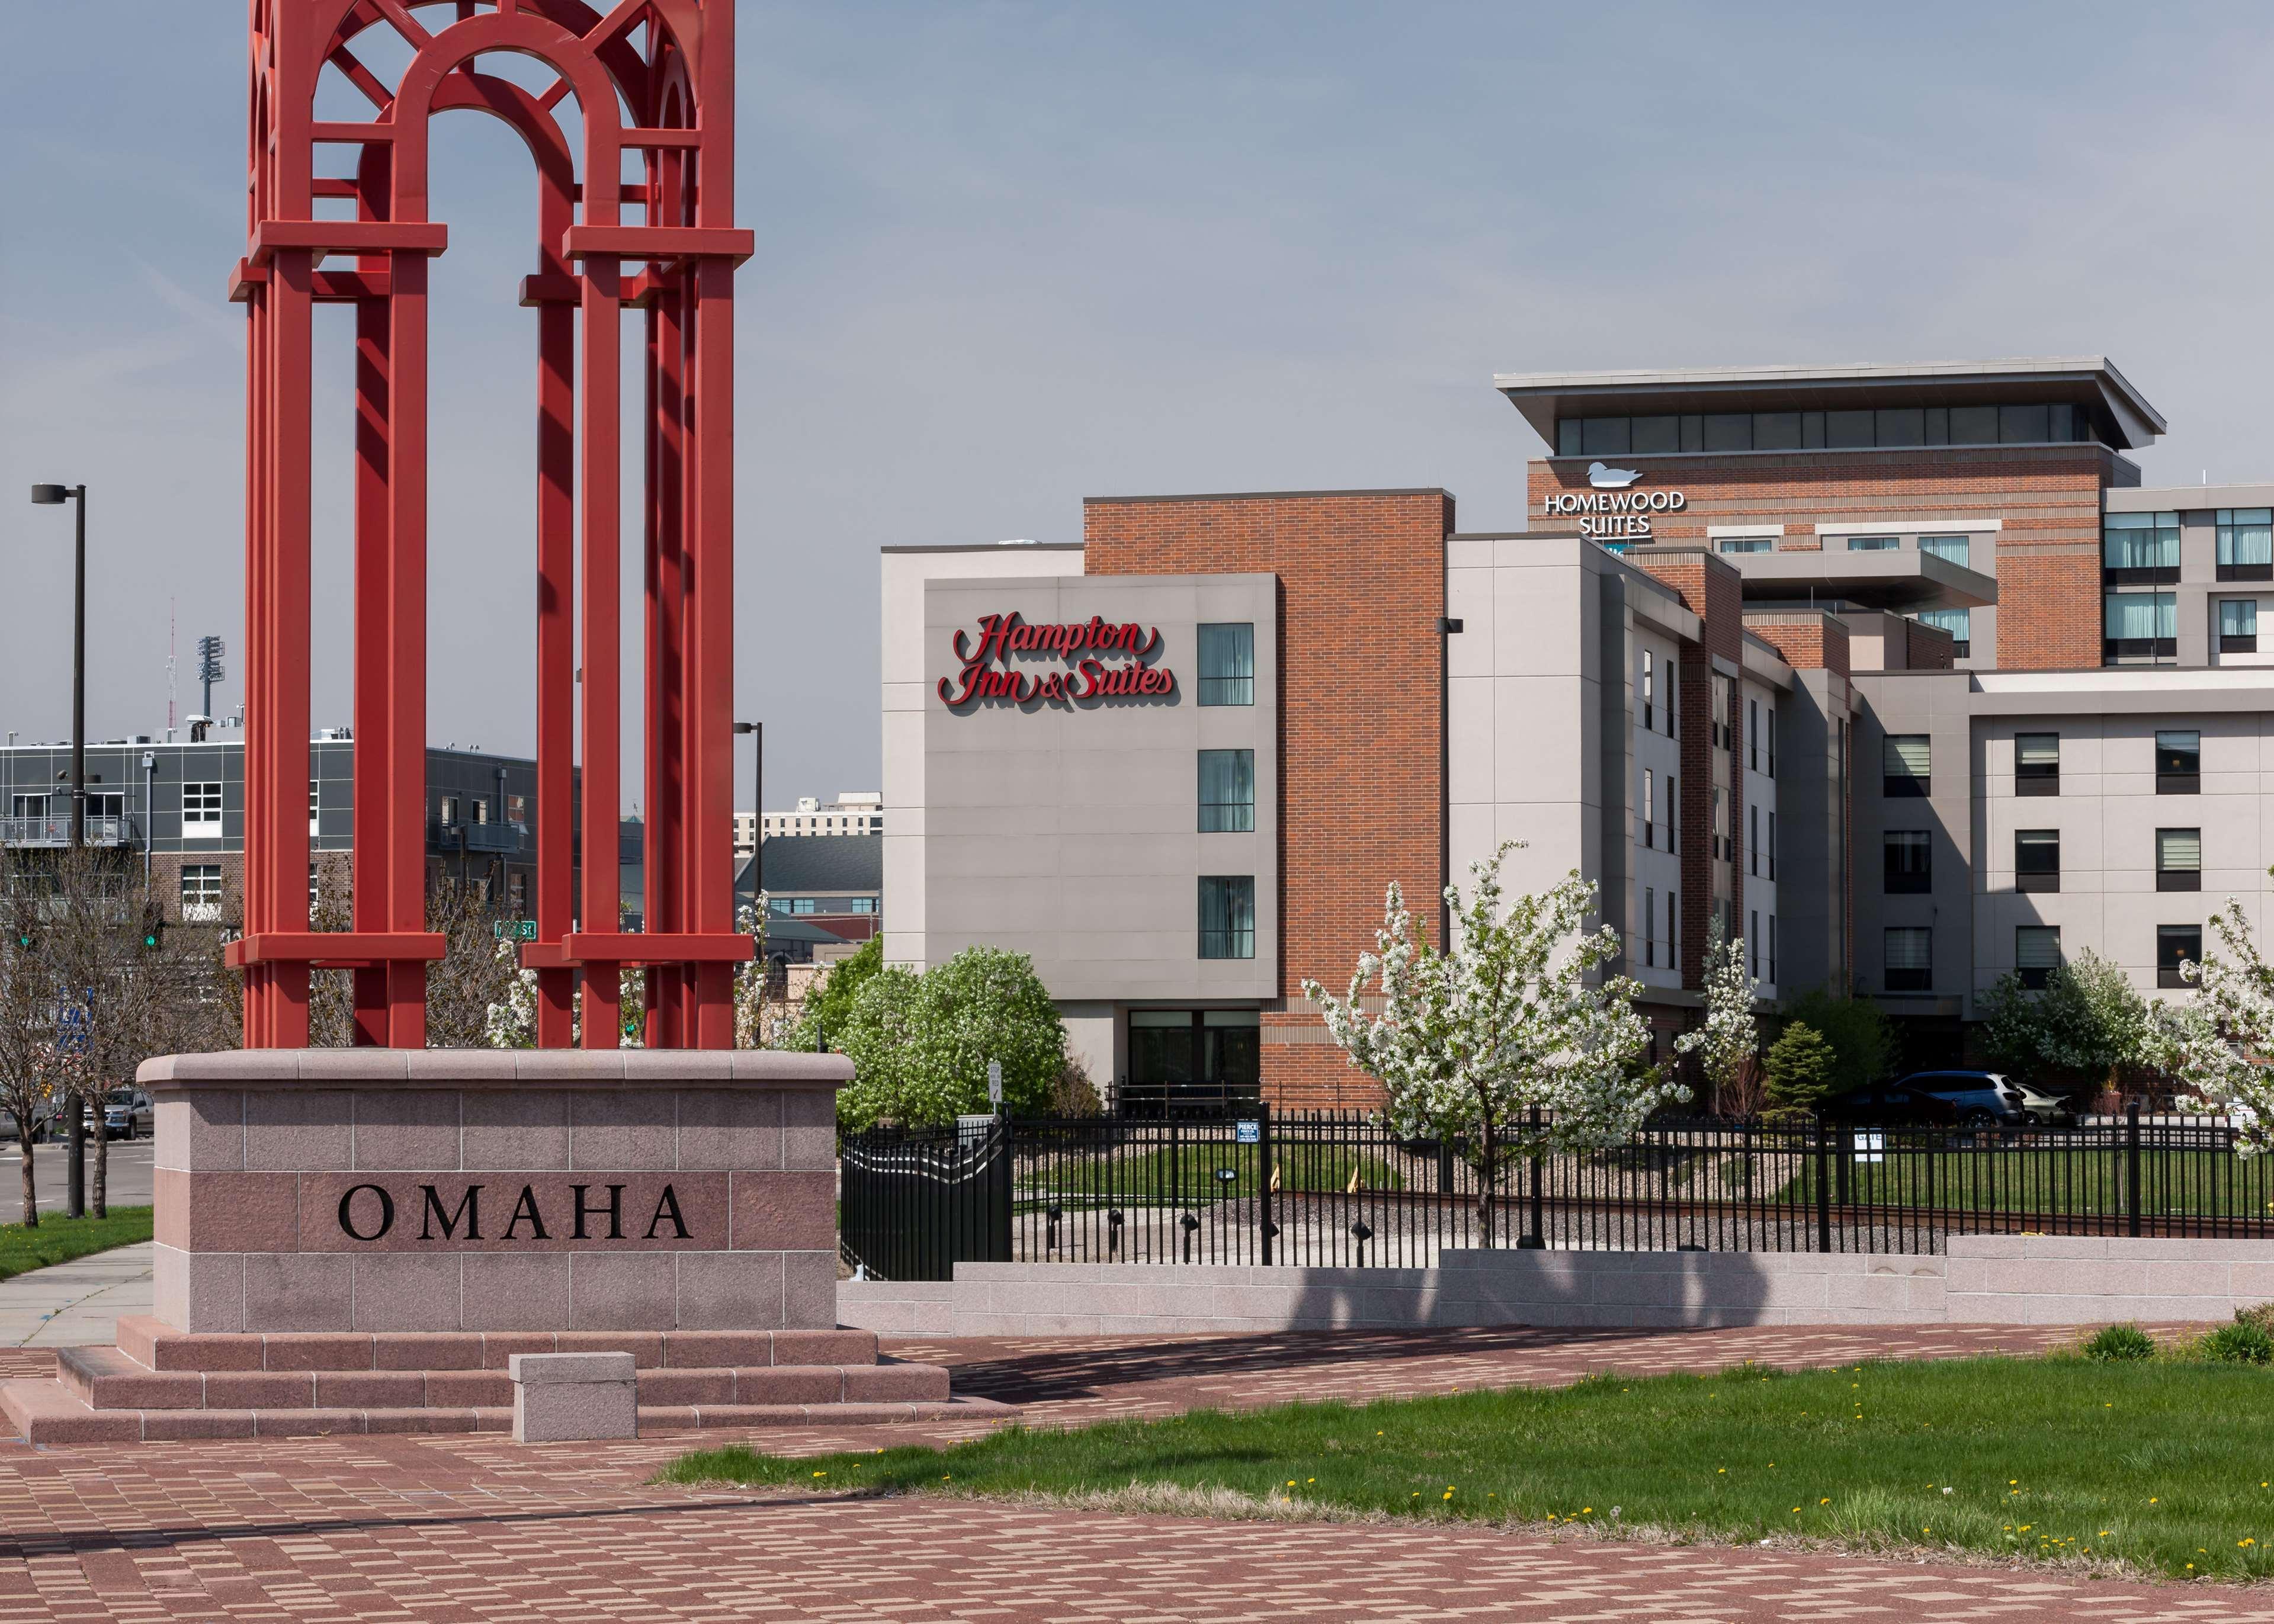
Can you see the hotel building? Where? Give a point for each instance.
(1898, 673)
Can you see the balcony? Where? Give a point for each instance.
(55, 832)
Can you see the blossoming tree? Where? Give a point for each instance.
(1513, 1015)
(1725, 1044)
(2221, 1051)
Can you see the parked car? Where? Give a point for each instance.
(2047, 1110)
(1939, 1099)
(127, 1115)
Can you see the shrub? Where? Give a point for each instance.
(829, 1002)
(2242, 1342)
(920, 1045)
(2113, 1343)
(2260, 1314)
(1861, 1038)
(1074, 1095)
(1800, 1065)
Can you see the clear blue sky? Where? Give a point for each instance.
(1011, 255)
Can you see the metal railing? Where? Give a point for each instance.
(1340, 1189)
(55, 832)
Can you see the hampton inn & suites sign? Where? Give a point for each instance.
(1106, 660)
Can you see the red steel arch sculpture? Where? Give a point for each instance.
(655, 77)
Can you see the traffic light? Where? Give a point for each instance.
(26, 940)
(154, 929)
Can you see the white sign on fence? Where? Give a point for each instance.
(1870, 1146)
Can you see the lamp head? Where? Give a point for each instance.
(746, 727)
(49, 495)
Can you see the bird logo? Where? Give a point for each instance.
(1603, 477)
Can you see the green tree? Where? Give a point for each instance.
(920, 1045)
(828, 1008)
(2087, 1023)
(1801, 1065)
(1861, 1038)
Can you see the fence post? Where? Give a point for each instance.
(1823, 1187)
(1263, 1175)
(1000, 1207)
(2132, 1202)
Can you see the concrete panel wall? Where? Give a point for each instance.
(1983, 1280)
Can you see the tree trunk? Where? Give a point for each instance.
(1488, 1175)
(99, 1196)
(31, 1190)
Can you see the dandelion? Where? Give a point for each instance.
(821, 1474)
(1825, 1500)
(1946, 1490)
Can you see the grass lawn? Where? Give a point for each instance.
(59, 1240)
(2164, 1466)
(1192, 1173)
(2026, 1179)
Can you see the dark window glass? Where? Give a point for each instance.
(1231, 1051)
(1729, 431)
(1227, 657)
(1161, 1047)
(1656, 434)
(2140, 548)
(1776, 431)
(1598, 436)
(1907, 955)
(1909, 862)
(2037, 860)
(2036, 763)
(1938, 426)
(2139, 626)
(2237, 625)
(1227, 916)
(1811, 430)
(2175, 946)
(1845, 429)
(1974, 425)
(2178, 762)
(2036, 953)
(2179, 859)
(1567, 437)
(1227, 792)
(1908, 765)
(1902, 425)
(2026, 425)
(1693, 433)
(2245, 544)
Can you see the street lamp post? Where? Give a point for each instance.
(53, 496)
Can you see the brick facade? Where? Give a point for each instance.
(1361, 719)
(2047, 499)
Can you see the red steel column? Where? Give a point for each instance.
(600, 411)
(406, 636)
(556, 630)
(373, 538)
(710, 741)
(281, 762)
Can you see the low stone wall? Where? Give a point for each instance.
(1982, 1279)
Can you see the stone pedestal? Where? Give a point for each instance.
(360, 1240)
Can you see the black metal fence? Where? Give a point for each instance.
(1340, 1189)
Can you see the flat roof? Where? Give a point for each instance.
(1542, 397)
(1888, 579)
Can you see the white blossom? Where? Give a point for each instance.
(1726, 1043)
(2221, 1050)
(1469, 1040)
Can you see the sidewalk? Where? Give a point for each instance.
(75, 1304)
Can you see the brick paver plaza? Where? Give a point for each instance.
(471, 1526)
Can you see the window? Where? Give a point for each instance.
(517, 891)
(1773, 954)
(2139, 626)
(105, 803)
(2176, 945)
(1227, 916)
(1649, 809)
(2237, 625)
(2137, 547)
(860, 905)
(200, 810)
(2178, 762)
(1720, 737)
(1227, 653)
(200, 893)
(1753, 945)
(2036, 953)
(1909, 758)
(480, 806)
(1719, 833)
(314, 893)
(1664, 433)
(1870, 543)
(1672, 671)
(2179, 859)
(1672, 818)
(2036, 763)
(1958, 622)
(804, 905)
(1227, 792)
(2037, 860)
(450, 811)
(1744, 544)
(1908, 952)
(1674, 932)
(1773, 851)
(1650, 926)
(1951, 549)
(1909, 862)
(517, 809)
(2245, 544)
(1753, 836)
(1753, 734)
(1649, 687)
(1772, 743)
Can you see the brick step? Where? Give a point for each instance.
(45, 1412)
(109, 1378)
(161, 1347)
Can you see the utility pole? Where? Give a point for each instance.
(53, 496)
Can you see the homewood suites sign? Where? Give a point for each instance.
(1609, 510)
(1107, 661)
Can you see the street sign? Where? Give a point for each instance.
(995, 1084)
(514, 930)
(1249, 1133)
(1870, 1146)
